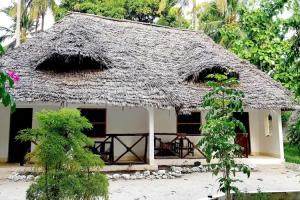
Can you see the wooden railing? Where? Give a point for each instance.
(178, 145)
(106, 149)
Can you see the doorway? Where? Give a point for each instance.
(243, 139)
(20, 119)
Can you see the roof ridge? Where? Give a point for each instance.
(134, 22)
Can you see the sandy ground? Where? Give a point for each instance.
(190, 187)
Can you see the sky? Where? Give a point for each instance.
(6, 21)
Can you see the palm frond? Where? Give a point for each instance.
(5, 37)
(2, 28)
(162, 6)
(222, 6)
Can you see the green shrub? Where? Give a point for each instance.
(61, 150)
(291, 153)
(285, 116)
(294, 133)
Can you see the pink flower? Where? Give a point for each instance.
(13, 75)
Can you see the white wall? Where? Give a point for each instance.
(4, 133)
(262, 144)
(127, 120)
(135, 120)
(165, 121)
(124, 120)
(119, 120)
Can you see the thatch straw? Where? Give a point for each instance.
(127, 63)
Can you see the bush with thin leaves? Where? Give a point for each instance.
(219, 130)
(70, 170)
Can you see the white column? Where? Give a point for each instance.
(278, 124)
(151, 136)
(4, 133)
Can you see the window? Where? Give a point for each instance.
(189, 124)
(57, 62)
(268, 124)
(97, 118)
(201, 76)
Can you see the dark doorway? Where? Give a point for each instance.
(243, 139)
(20, 119)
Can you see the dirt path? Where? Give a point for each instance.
(189, 187)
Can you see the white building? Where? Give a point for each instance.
(134, 81)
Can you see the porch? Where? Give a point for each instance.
(133, 136)
(262, 143)
(183, 151)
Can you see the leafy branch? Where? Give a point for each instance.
(220, 130)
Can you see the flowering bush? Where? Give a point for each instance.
(7, 80)
(13, 75)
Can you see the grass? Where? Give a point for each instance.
(291, 153)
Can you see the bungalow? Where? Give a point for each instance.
(140, 85)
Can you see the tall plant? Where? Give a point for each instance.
(221, 102)
(215, 14)
(167, 12)
(61, 151)
(262, 36)
(38, 9)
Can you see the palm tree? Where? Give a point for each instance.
(38, 9)
(182, 4)
(194, 11)
(213, 15)
(25, 23)
(194, 14)
(31, 13)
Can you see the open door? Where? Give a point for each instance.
(20, 119)
(243, 139)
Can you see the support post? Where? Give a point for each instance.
(4, 133)
(278, 123)
(151, 136)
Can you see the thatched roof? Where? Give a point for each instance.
(294, 117)
(127, 63)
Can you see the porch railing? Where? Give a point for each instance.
(106, 148)
(176, 145)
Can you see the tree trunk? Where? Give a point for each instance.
(227, 174)
(18, 24)
(46, 182)
(43, 21)
(194, 15)
(36, 25)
